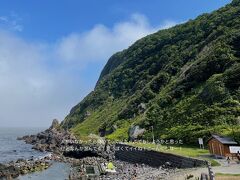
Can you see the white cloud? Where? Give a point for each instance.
(32, 93)
(11, 22)
(39, 82)
(101, 42)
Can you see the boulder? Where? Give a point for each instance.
(135, 132)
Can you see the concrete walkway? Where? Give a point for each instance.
(225, 168)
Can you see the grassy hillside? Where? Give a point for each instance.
(184, 81)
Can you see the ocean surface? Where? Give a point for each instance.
(11, 149)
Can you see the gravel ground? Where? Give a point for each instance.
(124, 170)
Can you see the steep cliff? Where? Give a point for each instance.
(183, 81)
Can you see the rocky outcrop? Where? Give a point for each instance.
(55, 124)
(50, 140)
(20, 167)
(61, 142)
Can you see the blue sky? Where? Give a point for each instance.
(51, 52)
(48, 20)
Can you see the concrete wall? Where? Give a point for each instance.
(153, 158)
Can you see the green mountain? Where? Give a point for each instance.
(183, 81)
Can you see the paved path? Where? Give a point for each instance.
(232, 168)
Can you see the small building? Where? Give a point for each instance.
(221, 145)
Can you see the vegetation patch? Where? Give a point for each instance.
(183, 81)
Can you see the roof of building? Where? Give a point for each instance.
(224, 139)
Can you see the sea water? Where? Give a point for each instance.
(12, 149)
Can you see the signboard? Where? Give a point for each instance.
(234, 149)
(200, 141)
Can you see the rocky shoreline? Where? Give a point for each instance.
(49, 140)
(14, 169)
(53, 140)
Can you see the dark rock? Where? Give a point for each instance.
(40, 147)
(55, 124)
(49, 140)
(21, 166)
(8, 171)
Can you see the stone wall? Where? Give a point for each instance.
(153, 158)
